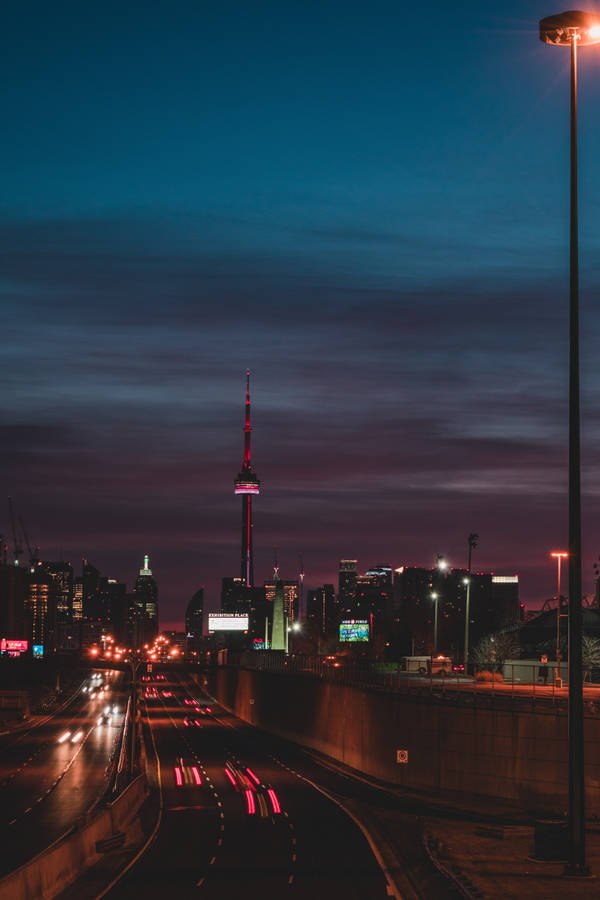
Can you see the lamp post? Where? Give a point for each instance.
(435, 598)
(441, 566)
(467, 583)
(472, 540)
(558, 556)
(574, 29)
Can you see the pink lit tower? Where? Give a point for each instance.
(247, 484)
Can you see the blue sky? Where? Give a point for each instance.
(365, 204)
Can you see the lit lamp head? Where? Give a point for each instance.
(570, 26)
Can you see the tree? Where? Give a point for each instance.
(590, 655)
(492, 651)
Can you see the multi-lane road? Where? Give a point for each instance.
(53, 773)
(237, 818)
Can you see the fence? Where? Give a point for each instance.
(521, 682)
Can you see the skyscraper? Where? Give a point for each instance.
(290, 597)
(347, 583)
(146, 603)
(247, 484)
(41, 610)
(61, 586)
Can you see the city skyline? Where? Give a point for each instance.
(375, 229)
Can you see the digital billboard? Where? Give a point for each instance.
(354, 630)
(227, 622)
(38, 651)
(13, 647)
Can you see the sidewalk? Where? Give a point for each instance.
(494, 862)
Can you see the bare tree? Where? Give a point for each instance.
(590, 655)
(492, 651)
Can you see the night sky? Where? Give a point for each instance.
(364, 203)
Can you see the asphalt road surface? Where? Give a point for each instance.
(50, 775)
(238, 821)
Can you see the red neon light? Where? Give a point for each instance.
(274, 800)
(252, 775)
(250, 802)
(196, 723)
(231, 778)
(196, 774)
(186, 723)
(178, 777)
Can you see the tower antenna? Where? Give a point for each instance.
(247, 484)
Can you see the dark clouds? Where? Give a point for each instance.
(386, 252)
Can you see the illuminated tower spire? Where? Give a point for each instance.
(247, 484)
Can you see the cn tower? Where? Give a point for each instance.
(247, 484)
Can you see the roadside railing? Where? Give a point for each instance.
(519, 683)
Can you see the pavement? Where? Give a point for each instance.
(495, 862)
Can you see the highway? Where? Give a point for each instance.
(239, 820)
(51, 774)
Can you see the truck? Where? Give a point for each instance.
(427, 665)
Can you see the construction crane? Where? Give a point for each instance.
(18, 546)
(33, 551)
(301, 610)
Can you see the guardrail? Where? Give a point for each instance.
(520, 683)
(56, 867)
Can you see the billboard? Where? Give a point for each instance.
(38, 651)
(13, 647)
(354, 630)
(227, 622)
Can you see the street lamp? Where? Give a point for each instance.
(441, 565)
(467, 583)
(473, 542)
(573, 29)
(558, 556)
(435, 598)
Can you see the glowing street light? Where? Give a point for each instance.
(574, 29)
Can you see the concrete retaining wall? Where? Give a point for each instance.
(55, 868)
(511, 754)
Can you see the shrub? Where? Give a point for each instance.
(486, 675)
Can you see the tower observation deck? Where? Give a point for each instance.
(247, 484)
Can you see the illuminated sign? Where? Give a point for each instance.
(38, 651)
(259, 644)
(13, 647)
(505, 579)
(354, 630)
(227, 622)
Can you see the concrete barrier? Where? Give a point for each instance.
(426, 744)
(55, 868)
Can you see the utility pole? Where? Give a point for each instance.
(473, 542)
